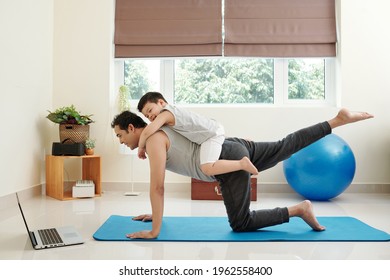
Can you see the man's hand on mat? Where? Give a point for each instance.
(145, 234)
(143, 218)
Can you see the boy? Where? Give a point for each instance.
(206, 132)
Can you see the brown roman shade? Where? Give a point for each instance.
(280, 28)
(168, 28)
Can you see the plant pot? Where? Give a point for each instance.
(89, 152)
(74, 133)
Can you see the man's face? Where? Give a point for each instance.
(151, 110)
(128, 138)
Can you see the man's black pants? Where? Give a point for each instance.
(235, 186)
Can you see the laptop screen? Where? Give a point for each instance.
(30, 234)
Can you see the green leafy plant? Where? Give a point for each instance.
(90, 143)
(69, 115)
(124, 98)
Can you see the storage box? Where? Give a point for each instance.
(84, 188)
(201, 190)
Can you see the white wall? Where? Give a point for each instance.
(365, 76)
(81, 56)
(82, 52)
(25, 91)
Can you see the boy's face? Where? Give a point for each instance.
(151, 110)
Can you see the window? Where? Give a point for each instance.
(223, 81)
(230, 80)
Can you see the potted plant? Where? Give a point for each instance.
(89, 146)
(124, 98)
(74, 127)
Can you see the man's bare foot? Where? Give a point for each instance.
(345, 116)
(248, 166)
(305, 211)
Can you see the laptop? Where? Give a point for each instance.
(52, 237)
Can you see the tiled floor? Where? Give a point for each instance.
(88, 214)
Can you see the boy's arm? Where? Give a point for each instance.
(164, 118)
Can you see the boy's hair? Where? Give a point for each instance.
(151, 96)
(125, 118)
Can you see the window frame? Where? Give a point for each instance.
(167, 76)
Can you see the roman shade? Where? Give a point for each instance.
(166, 28)
(252, 28)
(280, 28)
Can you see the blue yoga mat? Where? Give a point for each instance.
(217, 229)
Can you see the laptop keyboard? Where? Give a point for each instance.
(49, 236)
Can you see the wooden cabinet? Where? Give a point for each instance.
(201, 190)
(91, 170)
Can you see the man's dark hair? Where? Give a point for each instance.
(125, 118)
(151, 96)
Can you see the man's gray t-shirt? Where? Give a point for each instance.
(183, 156)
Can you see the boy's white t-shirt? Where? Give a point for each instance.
(194, 127)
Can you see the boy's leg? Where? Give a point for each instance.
(210, 152)
(227, 166)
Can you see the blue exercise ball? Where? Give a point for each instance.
(322, 170)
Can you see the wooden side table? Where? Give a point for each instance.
(212, 191)
(91, 170)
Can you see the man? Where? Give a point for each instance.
(166, 149)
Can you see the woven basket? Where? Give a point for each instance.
(74, 133)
